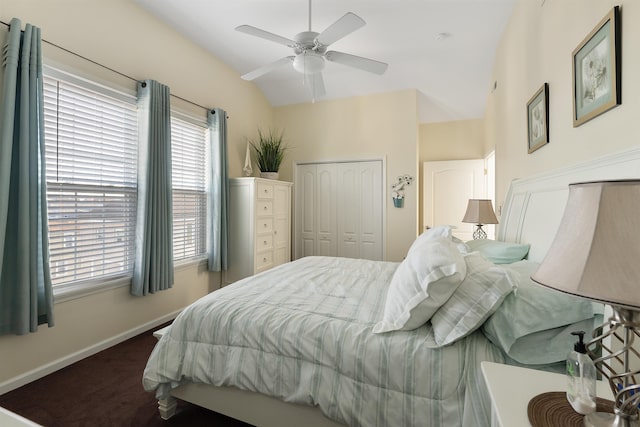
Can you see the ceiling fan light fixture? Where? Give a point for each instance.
(308, 62)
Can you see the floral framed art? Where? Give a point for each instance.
(538, 119)
(596, 70)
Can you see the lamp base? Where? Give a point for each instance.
(604, 419)
(479, 233)
(614, 360)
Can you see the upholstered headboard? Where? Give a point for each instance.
(534, 206)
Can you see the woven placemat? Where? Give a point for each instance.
(552, 409)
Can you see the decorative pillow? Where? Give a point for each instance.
(499, 252)
(532, 308)
(483, 289)
(424, 281)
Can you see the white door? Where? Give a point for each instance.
(305, 220)
(359, 218)
(371, 210)
(326, 209)
(349, 212)
(448, 185)
(339, 210)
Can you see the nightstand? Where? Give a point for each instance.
(511, 388)
(9, 419)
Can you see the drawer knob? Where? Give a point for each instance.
(264, 259)
(265, 242)
(275, 232)
(265, 190)
(265, 208)
(265, 225)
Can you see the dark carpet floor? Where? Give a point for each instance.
(104, 390)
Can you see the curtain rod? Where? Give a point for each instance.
(112, 70)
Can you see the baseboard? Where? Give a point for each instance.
(51, 367)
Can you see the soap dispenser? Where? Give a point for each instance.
(581, 378)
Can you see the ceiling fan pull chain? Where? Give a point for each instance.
(309, 15)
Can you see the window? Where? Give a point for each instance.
(188, 156)
(91, 154)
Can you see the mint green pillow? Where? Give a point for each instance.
(499, 252)
(533, 314)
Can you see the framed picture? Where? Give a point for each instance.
(538, 119)
(596, 70)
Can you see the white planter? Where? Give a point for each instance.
(269, 175)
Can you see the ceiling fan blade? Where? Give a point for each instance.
(343, 26)
(248, 29)
(317, 85)
(359, 62)
(267, 68)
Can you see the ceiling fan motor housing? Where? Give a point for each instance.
(308, 52)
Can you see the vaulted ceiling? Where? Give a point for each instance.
(444, 49)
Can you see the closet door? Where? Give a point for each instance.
(371, 210)
(359, 219)
(348, 200)
(325, 200)
(305, 228)
(339, 210)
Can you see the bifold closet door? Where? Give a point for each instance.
(315, 229)
(359, 204)
(339, 210)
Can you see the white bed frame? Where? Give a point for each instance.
(532, 212)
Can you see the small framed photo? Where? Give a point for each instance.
(538, 119)
(596, 70)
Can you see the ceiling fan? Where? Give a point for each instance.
(310, 51)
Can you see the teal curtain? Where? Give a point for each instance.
(153, 264)
(218, 195)
(26, 295)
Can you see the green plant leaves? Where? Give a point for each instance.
(270, 150)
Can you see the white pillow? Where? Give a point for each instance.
(430, 234)
(479, 295)
(423, 282)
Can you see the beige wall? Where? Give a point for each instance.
(122, 36)
(456, 140)
(537, 47)
(369, 127)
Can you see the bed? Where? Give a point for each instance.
(332, 341)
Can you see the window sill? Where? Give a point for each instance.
(79, 290)
(82, 289)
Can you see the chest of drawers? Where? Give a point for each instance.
(259, 226)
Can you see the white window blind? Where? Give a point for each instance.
(91, 155)
(188, 156)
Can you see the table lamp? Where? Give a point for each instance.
(596, 255)
(479, 212)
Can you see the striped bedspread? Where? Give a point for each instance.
(302, 332)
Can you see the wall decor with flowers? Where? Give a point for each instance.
(398, 189)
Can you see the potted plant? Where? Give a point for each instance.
(270, 151)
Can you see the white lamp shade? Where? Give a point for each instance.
(308, 63)
(596, 251)
(480, 211)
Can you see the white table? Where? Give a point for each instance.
(511, 388)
